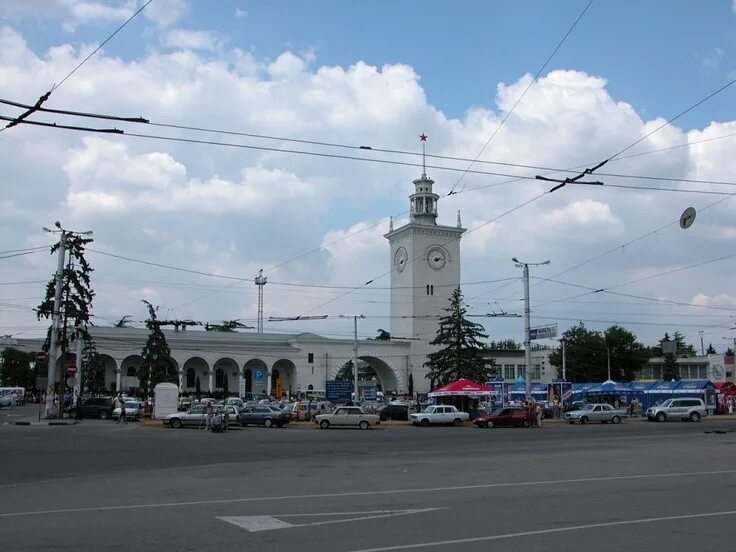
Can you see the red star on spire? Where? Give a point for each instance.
(423, 137)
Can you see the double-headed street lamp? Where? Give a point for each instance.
(527, 325)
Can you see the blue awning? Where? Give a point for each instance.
(663, 387)
(520, 389)
(693, 386)
(640, 386)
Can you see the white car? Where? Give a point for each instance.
(7, 400)
(347, 416)
(133, 410)
(440, 414)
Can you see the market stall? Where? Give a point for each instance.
(659, 392)
(725, 394)
(517, 392)
(701, 389)
(463, 394)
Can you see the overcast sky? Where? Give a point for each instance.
(376, 74)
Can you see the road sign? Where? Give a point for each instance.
(42, 357)
(369, 391)
(71, 370)
(337, 390)
(543, 332)
(71, 381)
(259, 374)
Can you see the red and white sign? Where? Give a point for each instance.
(42, 357)
(71, 370)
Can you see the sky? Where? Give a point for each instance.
(376, 74)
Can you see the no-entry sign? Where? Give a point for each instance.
(42, 357)
(71, 370)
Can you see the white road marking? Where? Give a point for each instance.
(370, 493)
(255, 524)
(546, 531)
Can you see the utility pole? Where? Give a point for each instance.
(527, 326)
(564, 361)
(702, 345)
(55, 319)
(260, 281)
(608, 357)
(355, 350)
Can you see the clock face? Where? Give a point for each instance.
(436, 257)
(718, 371)
(400, 259)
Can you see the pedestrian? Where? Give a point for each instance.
(539, 413)
(122, 416)
(208, 417)
(730, 405)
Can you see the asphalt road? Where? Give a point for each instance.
(635, 486)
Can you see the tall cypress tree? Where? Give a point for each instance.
(76, 301)
(157, 366)
(463, 354)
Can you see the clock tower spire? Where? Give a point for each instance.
(425, 269)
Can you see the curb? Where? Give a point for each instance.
(46, 423)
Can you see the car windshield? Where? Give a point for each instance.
(668, 402)
(589, 407)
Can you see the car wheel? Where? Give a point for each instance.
(103, 415)
(324, 424)
(267, 423)
(457, 422)
(424, 422)
(584, 420)
(364, 424)
(616, 419)
(695, 416)
(661, 417)
(526, 423)
(488, 424)
(175, 423)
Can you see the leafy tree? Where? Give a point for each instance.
(15, 369)
(93, 369)
(383, 335)
(463, 354)
(227, 326)
(76, 301)
(711, 350)
(157, 365)
(346, 372)
(628, 356)
(586, 355)
(729, 352)
(124, 322)
(669, 369)
(505, 345)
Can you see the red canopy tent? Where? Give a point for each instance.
(463, 388)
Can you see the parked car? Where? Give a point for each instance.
(596, 412)
(98, 407)
(194, 417)
(394, 411)
(133, 411)
(683, 409)
(7, 400)
(347, 416)
(440, 414)
(237, 402)
(267, 416)
(505, 417)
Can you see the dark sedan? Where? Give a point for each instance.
(93, 408)
(394, 412)
(267, 416)
(505, 417)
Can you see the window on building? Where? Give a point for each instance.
(536, 371)
(508, 371)
(702, 371)
(427, 289)
(131, 372)
(190, 377)
(431, 289)
(521, 371)
(220, 378)
(310, 358)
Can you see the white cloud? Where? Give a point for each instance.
(240, 13)
(191, 40)
(233, 210)
(165, 13)
(721, 300)
(713, 58)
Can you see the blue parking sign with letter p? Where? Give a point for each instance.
(258, 374)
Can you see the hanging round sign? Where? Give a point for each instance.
(687, 218)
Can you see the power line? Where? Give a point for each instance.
(521, 97)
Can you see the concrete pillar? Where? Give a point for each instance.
(211, 380)
(118, 379)
(268, 382)
(241, 384)
(181, 380)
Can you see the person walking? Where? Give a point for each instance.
(730, 405)
(123, 417)
(539, 412)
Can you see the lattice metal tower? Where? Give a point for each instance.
(260, 281)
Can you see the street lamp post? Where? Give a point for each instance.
(527, 325)
(355, 349)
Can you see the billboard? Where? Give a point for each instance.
(338, 390)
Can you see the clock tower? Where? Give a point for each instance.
(425, 269)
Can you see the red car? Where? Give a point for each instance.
(505, 417)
